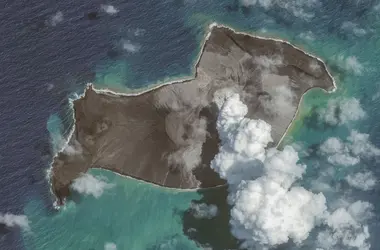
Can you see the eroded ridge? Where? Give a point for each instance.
(168, 136)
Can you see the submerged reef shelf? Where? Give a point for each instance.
(167, 135)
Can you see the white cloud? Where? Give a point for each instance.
(342, 111)
(203, 211)
(222, 95)
(350, 63)
(376, 95)
(376, 7)
(362, 180)
(11, 220)
(348, 153)
(338, 153)
(281, 101)
(360, 145)
(110, 246)
(307, 36)
(139, 32)
(89, 185)
(266, 210)
(50, 86)
(315, 67)
(354, 28)
(346, 228)
(56, 18)
(269, 62)
(109, 9)
(130, 47)
(298, 8)
(189, 156)
(74, 148)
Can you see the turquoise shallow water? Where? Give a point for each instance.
(130, 214)
(137, 215)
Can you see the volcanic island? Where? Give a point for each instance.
(167, 135)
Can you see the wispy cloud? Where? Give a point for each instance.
(56, 18)
(349, 152)
(350, 64)
(354, 28)
(109, 9)
(307, 36)
(130, 47)
(363, 180)
(110, 246)
(11, 220)
(341, 111)
(203, 211)
(347, 228)
(87, 184)
(300, 9)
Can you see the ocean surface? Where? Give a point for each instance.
(51, 49)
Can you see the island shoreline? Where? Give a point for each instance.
(183, 80)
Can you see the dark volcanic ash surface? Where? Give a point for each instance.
(168, 136)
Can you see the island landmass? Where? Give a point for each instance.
(167, 135)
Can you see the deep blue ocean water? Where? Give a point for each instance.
(42, 65)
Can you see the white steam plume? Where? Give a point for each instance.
(266, 209)
(243, 143)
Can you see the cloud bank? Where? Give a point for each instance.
(268, 207)
(89, 185)
(11, 220)
(109, 9)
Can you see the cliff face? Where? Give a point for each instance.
(168, 136)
